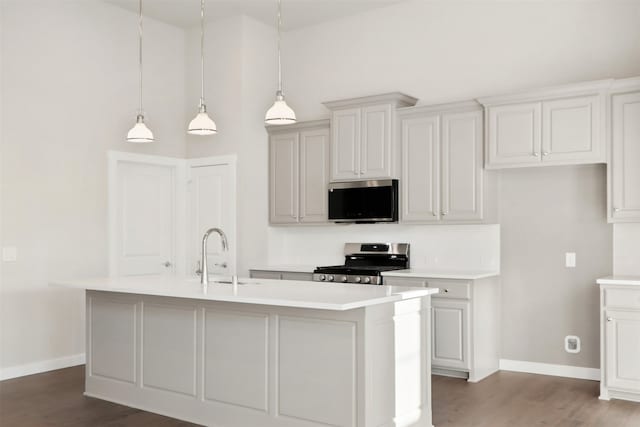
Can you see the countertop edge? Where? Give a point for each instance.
(440, 275)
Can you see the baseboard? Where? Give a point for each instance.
(550, 369)
(43, 366)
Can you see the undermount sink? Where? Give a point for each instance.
(229, 282)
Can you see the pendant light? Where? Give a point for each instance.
(202, 123)
(140, 133)
(280, 113)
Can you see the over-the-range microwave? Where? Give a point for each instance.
(364, 201)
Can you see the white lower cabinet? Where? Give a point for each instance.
(464, 325)
(620, 343)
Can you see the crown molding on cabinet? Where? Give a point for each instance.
(458, 107)
(396, 99)
(632, 83)
(306, 125)
(562, 91)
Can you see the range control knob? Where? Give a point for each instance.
(322, 277)
(343, 278)
(367, 280)
(357, 279)
(330, 278)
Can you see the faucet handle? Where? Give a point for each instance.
(198, 269)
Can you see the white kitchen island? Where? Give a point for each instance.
(261, 354)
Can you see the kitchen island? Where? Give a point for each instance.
(262, 353)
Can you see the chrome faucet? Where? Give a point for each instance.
(204, 274)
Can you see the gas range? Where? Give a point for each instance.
(364, 263)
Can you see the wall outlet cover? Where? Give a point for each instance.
(572, 344)
(570, 259)
(10, 254)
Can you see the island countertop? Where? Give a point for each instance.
(285, 293)
(619, 280)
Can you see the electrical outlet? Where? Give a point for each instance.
(572, 344)
(10, 254)
(570, 259)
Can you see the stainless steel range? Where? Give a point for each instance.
(364, 263)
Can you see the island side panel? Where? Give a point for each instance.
(246, 361)
(398, 364)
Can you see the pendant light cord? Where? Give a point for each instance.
(202, 53)
(279, 37)
(140, 51)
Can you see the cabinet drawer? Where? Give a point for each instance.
(627, 298)
(450, 288)
(264, 274)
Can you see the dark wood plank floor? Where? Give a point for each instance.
(506, 399)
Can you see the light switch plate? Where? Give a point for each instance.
(10, 254)
(570, 260)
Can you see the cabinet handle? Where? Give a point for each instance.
(609, 319)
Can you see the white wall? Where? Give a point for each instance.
(441, 51)
(69, 94)
(241, 86)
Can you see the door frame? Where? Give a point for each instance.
(232, 161)
(114, 159)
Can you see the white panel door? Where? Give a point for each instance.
(375, 148)
(211, 192)
(514, 135)
(314, 175)
(145, 218)
(625, 157)
(345, 144)
(571, 130)
(420, 169)
(284, 178)
(461, 150)
(450, 334)
(623, 350)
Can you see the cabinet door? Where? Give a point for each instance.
(314, 175)
(375, 148)
(622, 348)
(450, 334)
(420, 164)
(514, 135)
(571, 130)
(345, 144)
(462, 166)
(283, 185)
(625, 157)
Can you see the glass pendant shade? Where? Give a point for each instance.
(140, 133)
(280, 113)
(202, 124)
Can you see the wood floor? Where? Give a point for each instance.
(506, 399)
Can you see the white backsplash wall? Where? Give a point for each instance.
(436, 247)
(626, 249)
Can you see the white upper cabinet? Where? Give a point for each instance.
(442, 173)
(420, 169)
(624, 173)
(299, 172)
(345, 163)
(362, 145)
(462, 173)
(557, 126)
(283, 178)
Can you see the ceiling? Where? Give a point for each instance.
(295, 13)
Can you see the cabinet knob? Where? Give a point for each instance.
(446, 291)
(434, 213)
(535, 154)
(609, 319)
(545, 153)
(616, 209)
(167, 264)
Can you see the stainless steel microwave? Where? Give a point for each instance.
(364, 201)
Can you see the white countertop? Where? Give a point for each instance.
(286, 293)
(286, 268)
(441, 274)
(619, 280)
